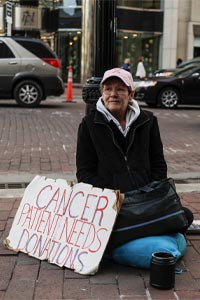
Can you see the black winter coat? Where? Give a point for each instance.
(101, 161)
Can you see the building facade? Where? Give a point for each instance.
(159, 30)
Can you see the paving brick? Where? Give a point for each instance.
(7, 228)
(53, 292)
(25, 272)
(2, 295)
(77, 289)
(7, 265)
(185, 282)
(7, 205)
(24, 259)
(195, 242)
(188, 295)
(107, 274)
(105, 291)
(45, 265)
(193, 237)
(17, 202)
(131, 285)
(191, 254)
(20, 289)
(49, 276)
(194, 268)
(4, 215)
(13, 213)
(49, 284)
(136, 297)
(157, 294)
(2, 225)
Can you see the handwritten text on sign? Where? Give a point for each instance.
(68, 226)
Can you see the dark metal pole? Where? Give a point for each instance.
(105, 36)
(104, 48)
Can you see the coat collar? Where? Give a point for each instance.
(142, 118)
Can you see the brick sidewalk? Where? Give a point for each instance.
(24, 277)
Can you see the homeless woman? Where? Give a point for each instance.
(118, 144)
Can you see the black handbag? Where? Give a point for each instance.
(155, 209)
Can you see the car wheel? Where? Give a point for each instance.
(28, 93)
(168, 98)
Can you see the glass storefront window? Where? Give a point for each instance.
(67, 3)
(196, 46)
(134, 45)
(69, 40)
(69, 51)
(145, 4)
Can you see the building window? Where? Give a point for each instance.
(196, 46)
(143, 4)
(29, 3)
(134, 45)
(67, 3)
(69, 51)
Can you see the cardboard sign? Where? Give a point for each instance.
(67, 225)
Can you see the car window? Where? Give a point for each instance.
(37, 48)
(192, 61)
(5, 51)
(183, 72)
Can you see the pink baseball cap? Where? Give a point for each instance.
(122, 74)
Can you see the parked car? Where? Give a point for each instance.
(183, 87)
(168, 72)
(29, 71)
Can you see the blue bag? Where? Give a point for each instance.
(138, 252)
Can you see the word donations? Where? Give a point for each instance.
(67, 225)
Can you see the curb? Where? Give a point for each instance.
(185, 182)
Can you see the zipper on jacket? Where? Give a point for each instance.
(127, 165)
(118, 147)
(132, 139)
(113, 138)
(131, 142)
(128, 170)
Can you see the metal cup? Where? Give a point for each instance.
(162, 272)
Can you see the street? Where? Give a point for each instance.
(43, 140)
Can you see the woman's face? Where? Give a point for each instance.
(116, 96)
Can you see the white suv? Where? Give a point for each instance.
(29, 71)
